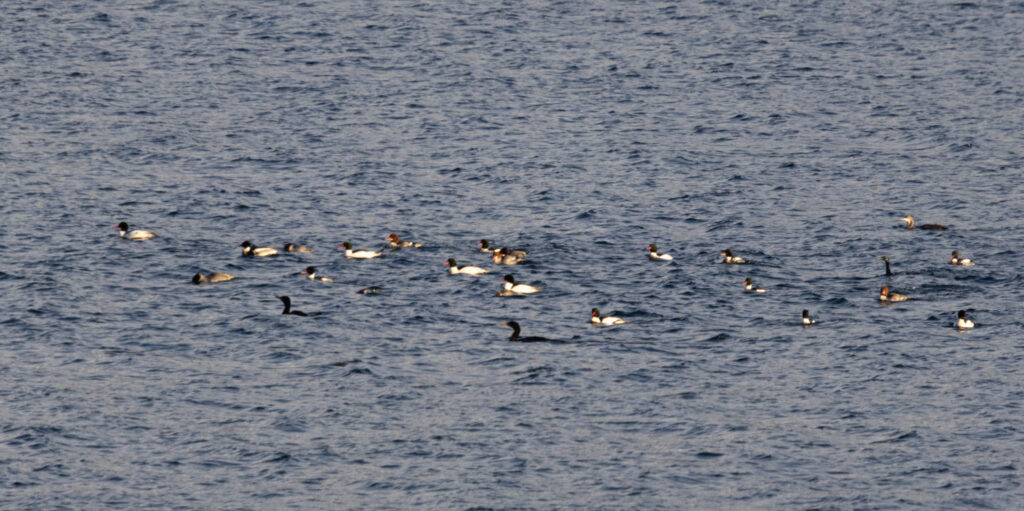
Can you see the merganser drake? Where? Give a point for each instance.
(886, 296)
(597, 319)
(517, 288)
(655, 255)
(808, 321)
(504, 256)
(930, 227)
(216, 276)
(888, 270)
(133, 234)
(730, 258)
(310, 273)
(749, 286)
(358, 254)
(957, 260)
(395, 242)
(288, 247)
(248, 249)
(485, 245)
(515, 334)
(962, 322)
(455, 269)
(288, 307)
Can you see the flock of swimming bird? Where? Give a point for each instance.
(506, 256)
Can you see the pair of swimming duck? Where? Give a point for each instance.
(498, 255)
(654, 255)
(250, 250)
(502, 255)
(394, 242)
(217, 276)
(962, 322)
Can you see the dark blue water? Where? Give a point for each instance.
(582, 131)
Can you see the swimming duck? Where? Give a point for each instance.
(216, 276)
(518, 288)
(248, 249)
(504, 256)
(930, 227)
(288, 307)
(959, 261)
(371, 291)
(288, 247)
(358, 254)
(395, 242)
(888, 270)
(133, 234)
(808, 320)
(655, 255)
(962, 322)
(886, 296)
(455, 269)
(515, 334)
(485, 245)
(597, 319)
(310, 273)
(730, 258)
(749, 286)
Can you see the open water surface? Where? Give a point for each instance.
(797, 134)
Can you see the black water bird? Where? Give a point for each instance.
(888, 269)
(288, 307)
(515, 334)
